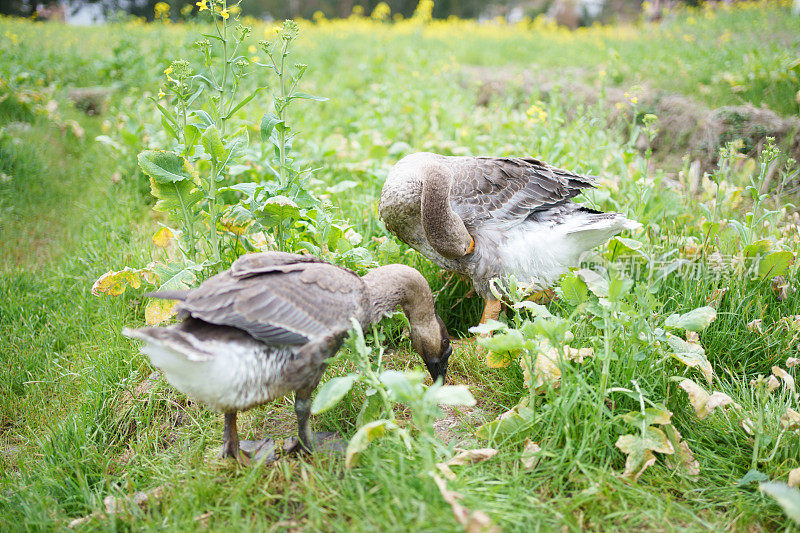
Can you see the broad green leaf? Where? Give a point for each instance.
(574, 289)
(449, 395)
(366, 434)
(487, 327)
(596, 283)
(695, 320)
(268, 122)
(399, 384)
(212, 143)
(775, 264)
(757, 248)
(174, 196)
(192, 135)
(370, 409)
(331, 392)
(342, 186)
(752, 476)
(690, 354)
(276, 209)
(534, 308)
(176, 276)
(511, 422)
(165, 167)
(787, 497)
(510, 341)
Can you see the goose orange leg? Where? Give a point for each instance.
(491, 310)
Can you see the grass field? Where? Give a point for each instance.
(83, 416)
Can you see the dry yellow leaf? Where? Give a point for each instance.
(756, 326)
(530, 454)
(158, 311)
(472, 522)
(787, 379)
(114, 283)
(163, 237)
(790, 419)
(715, 298)
(469, 457)
(703, 402)
(794, 477)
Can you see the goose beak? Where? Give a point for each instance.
(471, 245)
(438, 367)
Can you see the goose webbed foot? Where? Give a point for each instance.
(322, 441)
(245, 451)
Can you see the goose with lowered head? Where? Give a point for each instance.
(490, 217)
(265, 327)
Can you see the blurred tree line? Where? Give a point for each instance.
(277, 9)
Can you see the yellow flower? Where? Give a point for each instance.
(202, 4)
(634, 100)
(167, 72)
(161, 93)
(224, 14)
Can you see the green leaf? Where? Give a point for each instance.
(449, 395)
(366, 434)
(268, 122)
(176, 276)
(487, 327)
(276, 209)
(166, 114)
(370, 409)
(752, 476)
(192, 134)
(331, 392)
(690, 354)
(308, 97)
(510, 342)
(164, 167)
(536, 310)
(695, 320)
(399, 384)
(212, 142)
(787, 497)
(574, 289)
(243, 103)
(596, 283)
(775, 264)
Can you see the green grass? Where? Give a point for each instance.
(82, 417)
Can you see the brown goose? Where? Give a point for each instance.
(490, 217)
(265, 327)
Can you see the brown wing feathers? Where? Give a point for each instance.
(277, 298)
(513, 188)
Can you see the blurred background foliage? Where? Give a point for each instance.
(568, 12)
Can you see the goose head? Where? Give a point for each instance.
(391, 286)
(431, 341)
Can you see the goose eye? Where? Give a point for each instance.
(445, 343)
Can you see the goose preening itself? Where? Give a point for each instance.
(265, 327)
(490, 217)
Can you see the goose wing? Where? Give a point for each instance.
(279, 298)
(510, 189)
